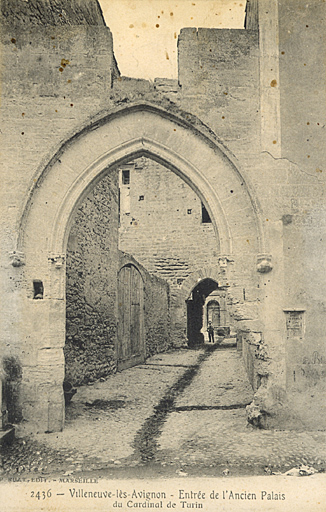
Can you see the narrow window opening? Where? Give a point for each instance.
(126, 177)
(119, 206)
(38, 289)
(189, 211)
(205, 218)
(141, 198)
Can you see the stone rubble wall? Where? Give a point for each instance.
(93, 262)
(91, 287)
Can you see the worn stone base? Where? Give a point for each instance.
(273, 408)
(45, 416)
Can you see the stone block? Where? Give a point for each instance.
(50, 357)
(43, 374)
(56, 418)
(36, 414)
(52, 392)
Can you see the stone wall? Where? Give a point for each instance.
(303, 106)
(56, 13)
(219, 75)
(164, 229)
(93, 261)
(220, 83)
(288, 178)
(91, 287)
(302, 42)
(56, 72)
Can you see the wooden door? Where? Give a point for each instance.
(131, 343)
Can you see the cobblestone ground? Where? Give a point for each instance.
(206, 434)
(183, 411)
(121, 405)
(102, 420)
(221, 381)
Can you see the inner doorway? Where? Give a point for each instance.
(214, 313)
(131, 342)
(195, 310)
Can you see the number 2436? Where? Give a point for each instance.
(41, 495)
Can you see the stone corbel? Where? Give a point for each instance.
(57, 260)
(264, 263)
(223, 262)
(17, 258)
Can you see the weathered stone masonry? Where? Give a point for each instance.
(93, 262)
(230, 128)
(92, 266)
(57, 67)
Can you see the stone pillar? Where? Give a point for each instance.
(271, 396)
(269, 77)
(272, 289)
(42, 357)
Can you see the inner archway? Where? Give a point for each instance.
(145, 211)
(195, 311)
(214, 313)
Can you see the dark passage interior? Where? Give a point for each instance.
(195, 305)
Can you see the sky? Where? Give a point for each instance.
(145, 32)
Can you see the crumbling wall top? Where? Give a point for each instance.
(52, 12)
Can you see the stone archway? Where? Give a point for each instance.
(213, 312)
(61, 186)
(221, 274)
(195, 310)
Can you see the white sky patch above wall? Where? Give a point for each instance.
(145, 32)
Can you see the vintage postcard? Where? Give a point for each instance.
(163, 232)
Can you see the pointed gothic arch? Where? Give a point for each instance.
(61, 185)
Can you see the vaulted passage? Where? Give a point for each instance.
(161, 224)
(117, 313)
(133, 242)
